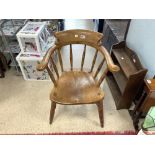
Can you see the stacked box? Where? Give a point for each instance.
(28, 63)
(34, 40)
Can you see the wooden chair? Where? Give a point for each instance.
(75, 87)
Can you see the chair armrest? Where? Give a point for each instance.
(44, 63)
(111, 66)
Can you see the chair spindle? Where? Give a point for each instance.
(94, 60)
(83, 57)
(51, 76)
(71, 57)
(102, 77)
(60, 60)
(99, 68)
(55, 67)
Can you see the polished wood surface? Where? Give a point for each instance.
(78, 86)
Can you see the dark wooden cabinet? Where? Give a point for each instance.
(125, 84)
(114, 31)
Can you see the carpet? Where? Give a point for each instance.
(25, 107)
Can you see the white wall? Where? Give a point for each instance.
(141, 39)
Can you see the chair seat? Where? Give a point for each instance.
(76, 87)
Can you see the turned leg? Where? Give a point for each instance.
(52, 111)
(100, 112)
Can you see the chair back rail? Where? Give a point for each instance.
(85, 37)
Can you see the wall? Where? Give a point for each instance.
(141, 39)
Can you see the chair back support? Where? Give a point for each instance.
(78, 37)
(70, 37)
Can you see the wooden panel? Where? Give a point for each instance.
(121, 80)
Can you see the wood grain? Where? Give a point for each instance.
(76, 87)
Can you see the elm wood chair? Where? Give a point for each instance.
(76, 87)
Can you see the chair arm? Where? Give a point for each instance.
(44, 63)
(111, 66)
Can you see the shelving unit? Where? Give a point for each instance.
(8, 30)
(8, 41)
(125, 84)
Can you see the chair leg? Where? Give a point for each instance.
(100, 112)
(52, 111)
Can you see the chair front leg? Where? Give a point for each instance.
(100, 112)
(52, 111)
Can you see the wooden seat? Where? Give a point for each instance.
(77, 86)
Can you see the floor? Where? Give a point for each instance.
(25, 105)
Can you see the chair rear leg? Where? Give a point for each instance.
(52, 111)
(100, 112)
